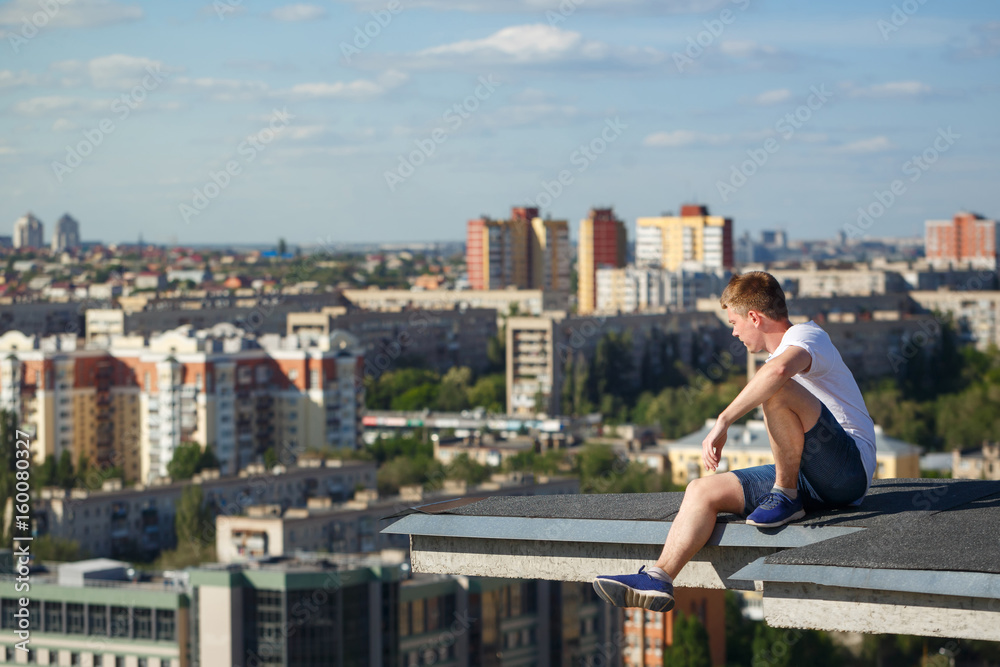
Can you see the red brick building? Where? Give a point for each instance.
(967, 239)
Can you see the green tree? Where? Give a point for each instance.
(8, 458)
(184, 464)
(48, 547)
(489, 392)
(496, 351)
(416, 398)
(47, 472)
(193, 521)
(64, 470)
(270, 458)
(453, 392)
(404, 471)
(690, 645)
(739, 633)
(282, 247)
(463, 468)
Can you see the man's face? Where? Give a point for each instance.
(744, 329)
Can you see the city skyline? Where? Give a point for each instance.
(207, 123)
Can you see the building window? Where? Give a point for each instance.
(165, 625)
(293, 374)
(119, 621)
(74, 618)
(53, 617)
(143, 623)
(97, 615)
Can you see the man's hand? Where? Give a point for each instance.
(711, 446)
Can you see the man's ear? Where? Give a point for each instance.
(754, 317)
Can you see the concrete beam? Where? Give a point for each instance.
(815, 607)
(712, 567)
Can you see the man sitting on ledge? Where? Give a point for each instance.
(822, 439)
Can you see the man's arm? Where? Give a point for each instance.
(762, 386)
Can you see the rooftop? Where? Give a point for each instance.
(917, 557)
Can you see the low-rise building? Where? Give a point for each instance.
(977, 463)
(540, 349)
(748, 445)
(975, 312)
(441, 339)
(139, 521)
(504, 301)
(90, 614)
(355, 526)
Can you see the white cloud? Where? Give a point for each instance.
(770, 97)
(41, 106)
(301, 132)
(78, 14)
(738, 56)
(117, 71)
(224, 90)
(521, 115)
(657, 7)
(890, 90)
(678, 138)
(63, 125)
(298, 12)
(745, 49)
(534, 45)
(358, 89)
(11, 79)
(873, 145)
(7, 150)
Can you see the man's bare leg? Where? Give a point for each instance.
(788, 415)
(704, 499)
(693, 525)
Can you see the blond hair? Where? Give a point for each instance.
(755, 290)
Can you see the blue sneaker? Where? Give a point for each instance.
(635, 590)
(776, 509)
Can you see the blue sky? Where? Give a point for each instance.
(246, 121)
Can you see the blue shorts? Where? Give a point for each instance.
(830, 475)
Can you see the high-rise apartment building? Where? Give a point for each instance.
(28, 232)
(693, 240)
(968, 238)
(526, 252)
(601, 245)
(66, 234)
(132, 402)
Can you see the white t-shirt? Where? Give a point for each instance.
(829, 380)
